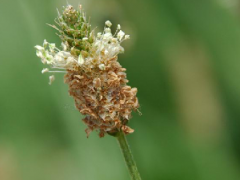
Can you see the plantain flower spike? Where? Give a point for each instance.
(96, 80)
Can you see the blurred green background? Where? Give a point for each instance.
(184, 58)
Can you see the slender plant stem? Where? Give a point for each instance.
(131, 164)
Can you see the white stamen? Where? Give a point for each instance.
(108, 23)
(40, 48)
(107, 30)
(64, 46)
(49, 58)
(39, 54)
(45, 70)
(114, 40)
(120, 35)
(127, 37)
(45, 43)
(58, 71)
(52, 47)
(51, 79)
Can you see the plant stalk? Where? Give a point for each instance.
(131, 164)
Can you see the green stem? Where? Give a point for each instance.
(131, 164)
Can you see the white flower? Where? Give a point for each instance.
(64, 59)
(104, 47)
(49, 58)
(45, 70)
(107, 45)
(120, 35)
(107, 36)
(59, 57)
(108, 23)
(51, 79)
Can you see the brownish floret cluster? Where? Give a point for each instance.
(96, 80)
(103, 96)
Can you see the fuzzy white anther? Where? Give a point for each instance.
(127, 37)
(120, 35)
(108, 23)
(51, 79)
(45, 70)
(118, 27)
